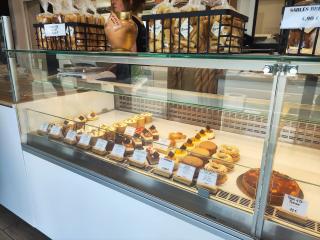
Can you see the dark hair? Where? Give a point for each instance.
(136, 6)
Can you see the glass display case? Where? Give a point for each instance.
(200, 134)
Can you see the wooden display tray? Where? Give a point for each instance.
(162, 173)
(136, 163)
(182, 180)
(291, 216)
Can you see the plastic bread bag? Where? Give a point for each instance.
(45, 17)
(57, 11)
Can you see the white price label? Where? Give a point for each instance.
(71, 135)
(55, 130)
(301, 17)
(166, 165)
(186, 171)
(158, 27)
(101, 144)
(184, 29)
(164, 141)
(295, 205)
(118, 150)
(85, 139)
(55, 30)
(139, 156)
(44, 127)
(207, 178)
(130, 131)
(215, 29)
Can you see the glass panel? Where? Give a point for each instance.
(297, 162)
(167, 106)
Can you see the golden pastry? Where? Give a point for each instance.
(177, 136)
(181, 152)
(192, 161)
(210, 146)
(189, 144)
(203, 135)
(209, 132)
(92, 116)
(131, 122)
(140, 121)
(201, 153)
(120, 127)
(147, 116)
(224, 159)
(233, 151)
(196, 140)
(220, 169)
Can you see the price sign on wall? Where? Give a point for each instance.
(301, 17)
(295, 205)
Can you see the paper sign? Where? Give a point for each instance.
(301, 17)
(166, 165)
(207, 178)
(295, 205)
(215, 29)
(55, 30)
(55, 130)
(184, 29)
(158, 27)
(139, 156)
(44, 127)
(186, 171)
(129, 131)
(71, 135)
(85, 139)
(118, 150)
(163, 141)
(101, 144)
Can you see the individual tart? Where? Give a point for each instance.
(137, 142)
(196, 140)
(154, 132)
(147, 137)
(92, 116)
(129, 147)
(147, 117)
(202, 153)
(104, 126)
(110, 145)
(177, 136)
(203, 135)
(131, 122)
(152, 156)
(193, 161)
(209, 132)
(220, 169)
(120, 127)
(139, 130)
(68, 125)
(224, 159)
(111, 133)
(233, 151)
(210, 146)
(181, 152)
(97, 133)
(140, 121)
(80, 121)
(189, 144)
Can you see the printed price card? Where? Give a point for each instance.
(184, 29)
(55, 30)
(85, 139)
(295, 205)
(118, 150)
(71, 135)
(165, 165)
(130, 131)
(301, 17)
(44, 127)
(139, 156)
(101, 144)
(55, 130)
(186, 171)
(207, 178)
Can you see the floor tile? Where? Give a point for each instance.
(4, 236)
(7, 218)
(23, 231)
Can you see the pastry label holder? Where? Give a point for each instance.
(129, 131)
(207, 180)
(185, 174)
(101, 145)
(71, 137)
(293, 209)
(138, 159)
(55, 131)
(85, 139)
(162, 145)
(44, 127)
(164, 168)
(117, 153)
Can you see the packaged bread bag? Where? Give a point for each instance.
(44, 18)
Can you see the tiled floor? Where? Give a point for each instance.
(14, 228)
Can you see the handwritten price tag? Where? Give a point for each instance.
(44, 127)
(184, 29)
(101, 144)
(129, 131)
(207, 178)
(118, 150)
(55, 130)
(55, 30)
(71, 135)
(301, 17)
(186, 171)
(139, 156)
(295, 205)
(166, 165)
(85, 139)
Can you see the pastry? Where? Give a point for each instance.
(181, 152)
(220, 169)
(129, 147)
(152, 156)
(177, 136)
(171, 156)
(118, 138)
(80, 121)
(279, 186)
(154, 132)
(92, 116)
(233, 151)
(137, 142)
(68, 125)
(111, 133)
(196, 140)
(209, 132)
(210, 146)
(131, 122)
(202, 153)
(97, 133)
(140, 121)
(110, 145)
(224, 159)
(193, 161)
(147, 117)
(203, 135)
(120, 127)
(147, 137)
(189, 144)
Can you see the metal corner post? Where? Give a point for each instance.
(269, 148)
(9, 45)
